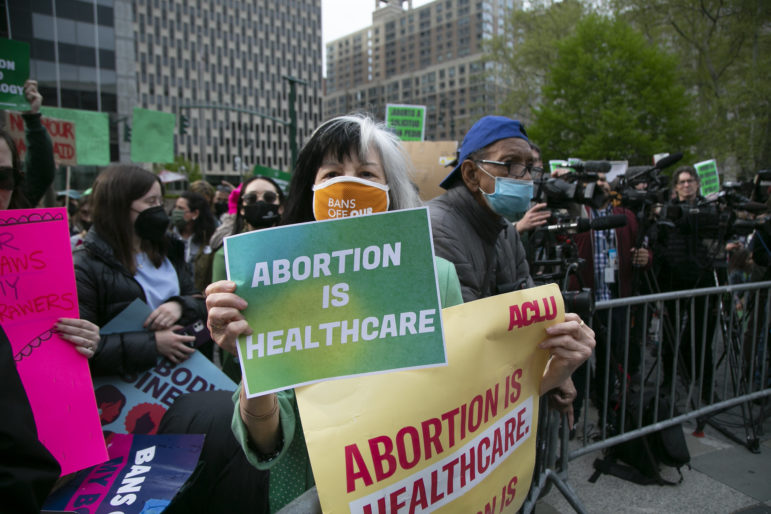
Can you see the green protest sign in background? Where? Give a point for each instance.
(152, 136)
(407, 121)
(281, 177)
(710, 182)
(14, 72)
(337, 298)
(92, 134)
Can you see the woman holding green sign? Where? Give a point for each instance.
(349, 157)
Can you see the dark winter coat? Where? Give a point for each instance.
(683, 257)
(39, 164)
(626, 239)
(225, 481)
(485, 248)
(106, 287)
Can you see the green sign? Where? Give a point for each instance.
(407, 121)
(152, 136)
(92, 134)
(336, 298)
(281, 177)
(556, 164)
(710, 182)
(14, 72)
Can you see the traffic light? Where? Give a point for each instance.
(183, 124)
(126, 131)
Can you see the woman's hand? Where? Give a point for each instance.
(32, 96)
(570, 344)
(164, 316)
(172, 345)
(81, 333)
(225, 320)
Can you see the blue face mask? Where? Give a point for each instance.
(511, 197)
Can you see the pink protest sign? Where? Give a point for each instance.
(37, 287)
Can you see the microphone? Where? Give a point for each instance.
(584, 224)
(669, 160)
(608, 222)
(590, 166)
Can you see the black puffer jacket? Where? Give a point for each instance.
(485, 249)
(684, 258)
(106, 287)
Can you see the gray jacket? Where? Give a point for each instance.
(485, 248)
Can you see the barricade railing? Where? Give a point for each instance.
(695, 354)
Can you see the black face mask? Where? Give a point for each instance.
(261, 214)
(151, 224)
(220, 208)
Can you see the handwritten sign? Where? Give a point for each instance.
(143, 470)
(62, 134)
(708, 176)
(37, 286)
(14, 72)
(337, 298)
(459, 438)
(135, 404)
(407, 121)
(92, 140)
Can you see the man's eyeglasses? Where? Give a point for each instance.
(267, 197)
(514, 169)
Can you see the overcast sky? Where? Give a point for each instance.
(342, 17)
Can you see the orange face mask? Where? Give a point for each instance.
(341, 197)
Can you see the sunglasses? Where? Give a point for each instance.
(6, 178)
(267, 197)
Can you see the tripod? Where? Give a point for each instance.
(741, 361)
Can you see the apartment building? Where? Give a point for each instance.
(430, 55)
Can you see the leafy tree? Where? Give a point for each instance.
(182, 165)
(724, 47)
(518, 61)
(610, 95)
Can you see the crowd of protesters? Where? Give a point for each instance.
(129, 244)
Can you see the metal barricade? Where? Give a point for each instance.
(701, 352)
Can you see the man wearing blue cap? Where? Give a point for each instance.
(491, 182)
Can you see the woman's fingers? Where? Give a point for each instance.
(82, 333)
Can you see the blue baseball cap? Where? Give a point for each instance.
(485, 132)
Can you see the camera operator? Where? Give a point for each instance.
(610, 258)
(684, 261)
(537, 215)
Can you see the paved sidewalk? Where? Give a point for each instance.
(724, 477)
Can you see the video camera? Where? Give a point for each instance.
(719, 215)
(656, 184)
(575, 187)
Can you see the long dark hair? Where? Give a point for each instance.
(18, 200)
(115, 189)
(204, 224)
(240, 222)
